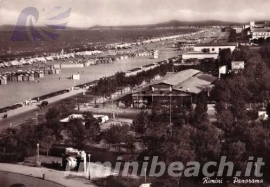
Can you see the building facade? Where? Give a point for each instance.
(183, 87)
(214, 47)
(199, 56)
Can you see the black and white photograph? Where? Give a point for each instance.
(134, 93)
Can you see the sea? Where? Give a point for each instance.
(87, 38)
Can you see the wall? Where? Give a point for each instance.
(213, 49)
(187, 56)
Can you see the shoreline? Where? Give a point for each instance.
(86, 80)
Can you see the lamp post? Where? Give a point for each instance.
(153, 89)
(145, 175)
(36, 118)
(89, 174)
(113, 116)
(170, 111)
(37, 152)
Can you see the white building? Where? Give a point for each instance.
(238, 29)
(199, 56)
(257, 33)
(262, 115)
(237, 65)
(222, 70)
(155, 54)
(75, 77)
(103, 118)
(214, 47)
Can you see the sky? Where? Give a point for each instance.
(87, 13)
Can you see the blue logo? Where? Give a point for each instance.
(34, 25)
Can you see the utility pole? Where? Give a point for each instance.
(170, 111)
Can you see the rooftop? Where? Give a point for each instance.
(216, 44)
(265, 29)
(195, 84)
(191, 81)
(179, 77)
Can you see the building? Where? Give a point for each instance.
(31, 77)
(186, 44)
(72, 159)
(155, 54)
(75, 76)
(146, 185)
(39, 74)
(262, 115)
(199, 56)
(14, 77)
(237, 66)
(238, 29)
(103, 118)
(57, 71)
(214, 47)
(25, 77)
(223, 70)
(182, 86)
(20, 78)
(3, 80)
(257, 33)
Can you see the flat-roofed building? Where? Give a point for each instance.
(214, 47)
(183, 86)
(25, 77)
(3, 80)
(237, 66)
(20, 78)
(257, 33)
(31, 77)
(199, 56)
(186, 44)
(75, 76)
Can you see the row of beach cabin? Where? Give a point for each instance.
(26, 75)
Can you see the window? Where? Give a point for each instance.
(213, 49)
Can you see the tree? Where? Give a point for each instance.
(46, 137)
(92, 125)
(53, 117)
(208, 143)
(141, 122)
(200, 113)
(116, 134)
(226, 120)
(236, 153)
(225, 57)
(77, 132)
(232, 36)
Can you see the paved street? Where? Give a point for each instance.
(7, 179)
(16, 116)
(50, 175)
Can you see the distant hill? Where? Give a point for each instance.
(173, 23)
(176, 23)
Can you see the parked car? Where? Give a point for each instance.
(5, 116)
(44, 104)
(17, 185)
